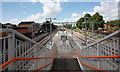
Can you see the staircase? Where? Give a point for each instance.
(102, 55)
(65, 64)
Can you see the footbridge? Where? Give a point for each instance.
(67, 52)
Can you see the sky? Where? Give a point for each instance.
(37, 10)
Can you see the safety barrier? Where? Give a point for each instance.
(14, 59)
(26, 54)
(103, 54)
(81, 57)
(53, 55)
(18, 59)
(16, 45)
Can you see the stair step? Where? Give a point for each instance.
(65, 65)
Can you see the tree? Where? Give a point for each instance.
(80, 25)
(68, 26)
(87, 19)
(113, 23)
(97, 20)
(74, 27)
(87, 15)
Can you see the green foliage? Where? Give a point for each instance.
(87, 15)
(113, 23)
(69, 26)
(97, 20)
(74, 27)
(87, 19)
(80, 25)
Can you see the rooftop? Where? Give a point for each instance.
(29, 22)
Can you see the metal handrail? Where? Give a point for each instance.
(23, 51)
(5, 37)
(52, 56)
(78, 55)
(89, 65)
(19, 35)
(105, 38)
(115, 56)
(14, 59)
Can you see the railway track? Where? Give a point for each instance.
(92, 41)
(45, 40)
(108, 48)
(42, 43)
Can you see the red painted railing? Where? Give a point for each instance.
(14, 59)
(52, 56)
(78, 55)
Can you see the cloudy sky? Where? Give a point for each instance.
(37, 10)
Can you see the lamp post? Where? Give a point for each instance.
(72, 31)
(58, 28)
(92, 29)
(63, 27)
(45, 26)
(85, 30)
(58, 31)
(32, 30)
(40, 27)
(50, 28)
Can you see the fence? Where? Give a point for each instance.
(103, 54)
(16, 45)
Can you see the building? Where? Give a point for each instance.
(26, 24)
(2, 26)
(29, 24)
(9, 25)
(106, 26)
(3, 34)
(30, 28)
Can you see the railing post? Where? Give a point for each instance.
(35, 55)
(11, 46)
(118, 45)
(98, 53)
(50, 34)
(1, 51)
(92, 30)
